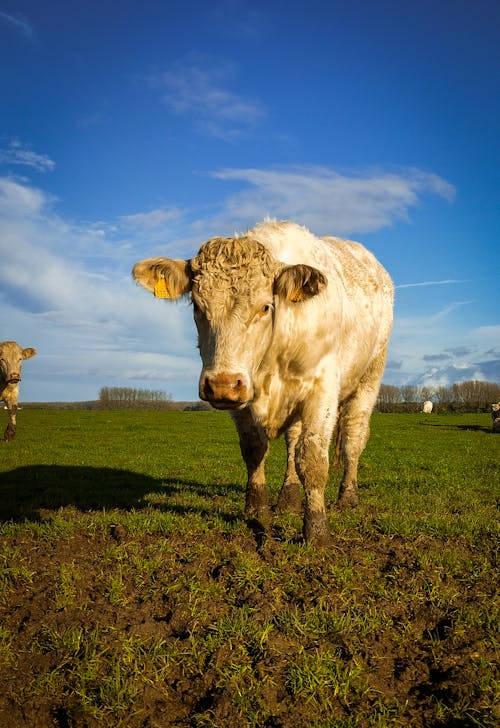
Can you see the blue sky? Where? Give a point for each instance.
(142, 128)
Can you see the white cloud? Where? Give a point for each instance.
(20, 154)
(320, 198)
(199, 89)
(19, 22)
(486, 334)
(90, 324)
(19, 199)
(424, 350)
(65, 287)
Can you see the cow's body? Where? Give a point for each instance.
(291, 328)
(11, 358)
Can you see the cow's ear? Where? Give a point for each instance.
(298, 282)
(164, 277)
(28, 353)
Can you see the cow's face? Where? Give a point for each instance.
(11, 358)
(233, 301)
(237, 288)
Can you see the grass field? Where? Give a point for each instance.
(133, 593)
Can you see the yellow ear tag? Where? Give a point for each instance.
(297, 296)
(160, 289)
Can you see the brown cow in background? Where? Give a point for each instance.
(11, 358)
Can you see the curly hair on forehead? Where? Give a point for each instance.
(233, 260)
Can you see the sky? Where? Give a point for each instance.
(141, 128)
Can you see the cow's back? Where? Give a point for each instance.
(352, 317)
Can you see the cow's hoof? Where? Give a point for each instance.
(289, 499)
(261, 513)
(348, 498)
(315, 531)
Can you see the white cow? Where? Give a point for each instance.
(427, 407)
(291, 327)
(11, 358)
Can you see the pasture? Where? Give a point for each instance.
(133, 593)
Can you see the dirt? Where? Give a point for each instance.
(417, 657)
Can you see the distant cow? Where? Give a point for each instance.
(495, 417)
(427, 407)
(291, 327)
(11, 357)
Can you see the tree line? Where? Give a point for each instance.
(472, 396)
(128, 398)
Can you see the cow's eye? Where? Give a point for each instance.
(265, 309)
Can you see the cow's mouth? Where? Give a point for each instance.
(226, 404)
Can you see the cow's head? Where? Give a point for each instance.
(236, 289)
(11, 358)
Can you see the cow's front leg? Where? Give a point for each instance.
(312, 461)
(289, 498)
(312, 466)
(10, 430)
(254, 445)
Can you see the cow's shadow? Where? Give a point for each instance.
(26, 493)
(474, 428)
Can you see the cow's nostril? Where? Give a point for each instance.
(224, 388)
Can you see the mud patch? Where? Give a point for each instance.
(105, 627)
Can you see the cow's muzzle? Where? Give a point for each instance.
(14, 378)
(225, 391)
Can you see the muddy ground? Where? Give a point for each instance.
(417, 660)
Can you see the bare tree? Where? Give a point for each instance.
(129, 398)
(388, 396)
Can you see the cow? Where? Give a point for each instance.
(291, 328)
(427, 407)
(11, 357)
(495, 417)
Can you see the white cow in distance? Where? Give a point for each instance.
(427, 407)
(11, 358)
(291, 327)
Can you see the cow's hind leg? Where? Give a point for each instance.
(354, 430)
(254, 446)
(290, 498)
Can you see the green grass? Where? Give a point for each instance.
(131, 587)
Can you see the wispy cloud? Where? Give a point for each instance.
(446, 310)
(425, 351)
(200, 89)
(326, 200)
(19, 22)
(447, 281)
(152, 219)
(20, 154)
